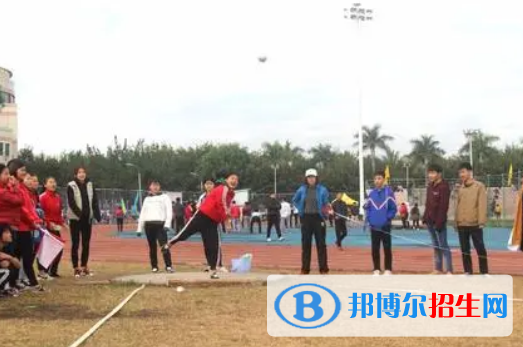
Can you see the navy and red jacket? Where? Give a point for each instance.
(437, 204)
(217, 204)
(10, 205)
(51, 204)
(29, 218)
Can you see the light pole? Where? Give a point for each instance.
(360, 14)
(470, 135)
(275, 167)
(139, 183)
(406, 165)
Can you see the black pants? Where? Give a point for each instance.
(273, 220)
(341, 230)
(210, 237)
(119, 224)
(80, 229)
(377, 238)
(53, 269)
(313, 225)
(156, 234)
(4, 277)
(24, 249)
(296, 220)
(180, 223)
(415, 223)
(405, 222)
(256, 220)
(465, 234)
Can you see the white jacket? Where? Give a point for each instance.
(285, 210)
(156, 208)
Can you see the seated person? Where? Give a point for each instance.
(7, 261)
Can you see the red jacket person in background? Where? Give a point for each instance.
(214, 210)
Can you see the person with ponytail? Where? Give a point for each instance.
(214, 210)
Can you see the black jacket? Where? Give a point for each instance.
(273, 207)
(84, 212)
(339, 207)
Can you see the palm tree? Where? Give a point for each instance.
(482, 145)
(322, 153)
(426, 149)
(373, 140)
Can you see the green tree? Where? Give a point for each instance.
(374, 140)
(483, 149)
(425, 149)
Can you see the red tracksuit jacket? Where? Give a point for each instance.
(217, 203)
(28, 218)
(51, 204)
(10, 205)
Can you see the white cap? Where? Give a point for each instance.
(311, 172)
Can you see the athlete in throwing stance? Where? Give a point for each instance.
(214, 210)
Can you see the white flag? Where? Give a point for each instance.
(50, 247)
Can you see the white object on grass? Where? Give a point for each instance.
(242, 264)
(101, 322)
(180, 289)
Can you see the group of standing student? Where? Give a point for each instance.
(23, 213)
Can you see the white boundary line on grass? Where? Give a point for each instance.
(101, 322)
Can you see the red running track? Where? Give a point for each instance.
(106, 247)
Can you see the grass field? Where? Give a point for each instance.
(159, 316)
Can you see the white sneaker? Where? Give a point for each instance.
(376, 273)
(281, 238)
(387, 273)
(269, 239)
(223, 269)
(169, 270)
(155, 270)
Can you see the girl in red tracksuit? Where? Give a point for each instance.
(214, 210)
(10, 212)
(29, 221)
(51, 204)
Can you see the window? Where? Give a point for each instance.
(5, 149)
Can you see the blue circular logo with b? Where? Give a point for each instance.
(307, 306)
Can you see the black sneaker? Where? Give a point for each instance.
(78, 273)
(214, 276)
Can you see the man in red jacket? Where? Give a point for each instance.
(29, 221)
(214, 210)
(435, 217)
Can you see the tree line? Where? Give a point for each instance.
(182, 168)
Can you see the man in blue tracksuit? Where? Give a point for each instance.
(310, 200)
(380, 210)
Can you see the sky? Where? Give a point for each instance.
(187, 72)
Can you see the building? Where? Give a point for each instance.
(8, 118)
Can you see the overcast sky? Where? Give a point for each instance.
(186, 72)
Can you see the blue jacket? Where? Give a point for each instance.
(322, 197)
(380, 207)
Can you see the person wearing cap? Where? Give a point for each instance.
(214, 210)
(311, 200)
